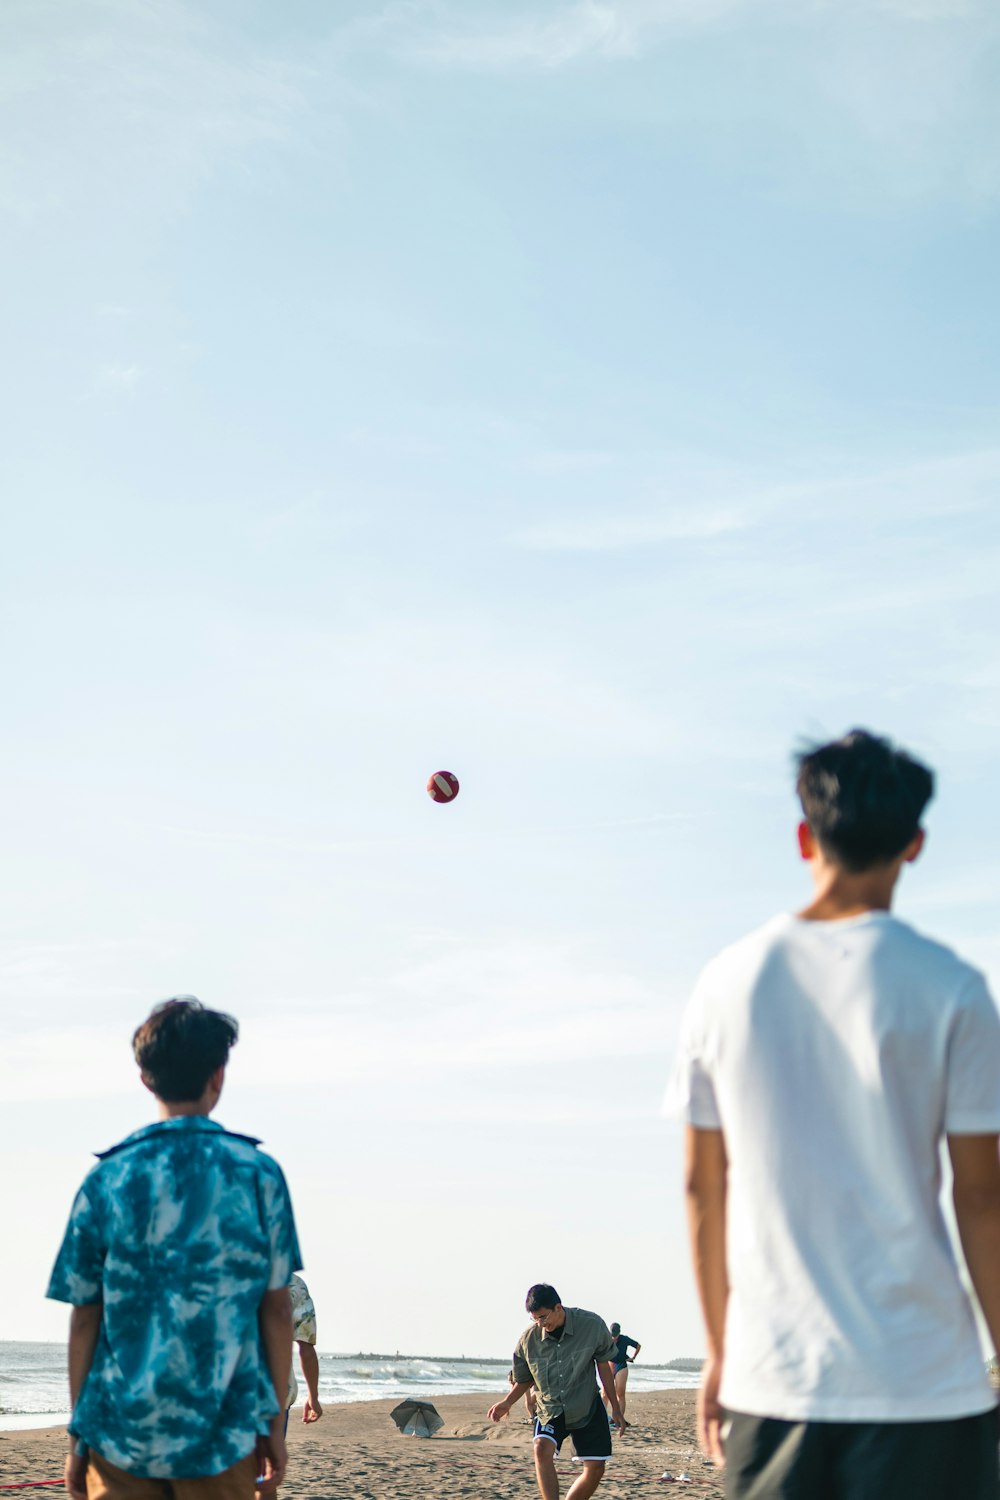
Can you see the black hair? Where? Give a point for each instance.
(862, 798)
(541, 1295)
(180, 1045)
(616, 1328)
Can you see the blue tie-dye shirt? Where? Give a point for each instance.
(179, 1231)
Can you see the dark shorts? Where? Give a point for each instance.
(767, 1459)
(592, 1441)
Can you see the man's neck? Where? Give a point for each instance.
(180, 1111)
(840, 894)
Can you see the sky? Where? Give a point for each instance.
(594, 398)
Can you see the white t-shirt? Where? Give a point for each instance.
(834, 1056)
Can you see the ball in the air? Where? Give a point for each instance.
(443, 786)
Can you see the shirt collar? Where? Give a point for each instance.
(182, 1123)
(566, 1331)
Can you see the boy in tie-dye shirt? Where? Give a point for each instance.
(177, 1259)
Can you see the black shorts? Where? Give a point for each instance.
(767, 1459)
(591, 1442)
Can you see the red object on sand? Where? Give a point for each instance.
(443, 786)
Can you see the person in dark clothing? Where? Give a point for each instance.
(622, 1361)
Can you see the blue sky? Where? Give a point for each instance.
(591, 399)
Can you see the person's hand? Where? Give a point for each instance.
(498, 1412)
(272, 1455)
(75, 1475)
(710, 1413)
(312, 1411)
(621, 1424)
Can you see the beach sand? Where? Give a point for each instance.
(355, 1451)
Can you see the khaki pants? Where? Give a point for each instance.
(106, 1482)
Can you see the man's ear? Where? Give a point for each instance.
(914, 847)
(807, 840)
(147, 1085)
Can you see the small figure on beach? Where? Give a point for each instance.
(558, 1354)
(622, 1360)
(530, 1403)
(176, 1260)
(304, 1336)
(824, 1062)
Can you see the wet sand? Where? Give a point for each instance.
(355, 1451)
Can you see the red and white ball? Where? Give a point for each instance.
(443, 786)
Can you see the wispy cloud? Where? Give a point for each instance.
(537, 36)
(457, 1008)
(913, 78)
(309, 515)
(621, 533)
(133, 104)
(709, 510)
(548, 36)
(917, 82)
(118, 379)
(73, 1062)
(45, 976)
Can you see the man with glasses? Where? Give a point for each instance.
(558, 1354)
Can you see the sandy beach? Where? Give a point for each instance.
(356, 1451)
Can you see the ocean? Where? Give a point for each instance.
(33, 1379)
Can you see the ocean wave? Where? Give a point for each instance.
(401, 1370)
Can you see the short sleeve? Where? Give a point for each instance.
(691, 1090)
(303, 1312)
(78, 1274)
(605, 1347)
(521, 1368)
(972, 1102)
(280, 1224)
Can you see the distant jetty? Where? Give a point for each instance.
(687, 1366)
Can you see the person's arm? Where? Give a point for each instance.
(976, 1194)
(275, 1319)
(705, 1186)
(500, 1410)
(606, 1375)
(635, 1356)
(309, 1359)
(84, 1328)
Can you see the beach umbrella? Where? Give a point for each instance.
(416, 1418)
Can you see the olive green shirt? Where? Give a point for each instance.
(562, 1369)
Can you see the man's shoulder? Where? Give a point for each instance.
(747, 955)
(138, 1156)
(583, 1318)
(934, 957)
(299, 1293)
(530, 1341)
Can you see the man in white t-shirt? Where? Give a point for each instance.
(824, 1060)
